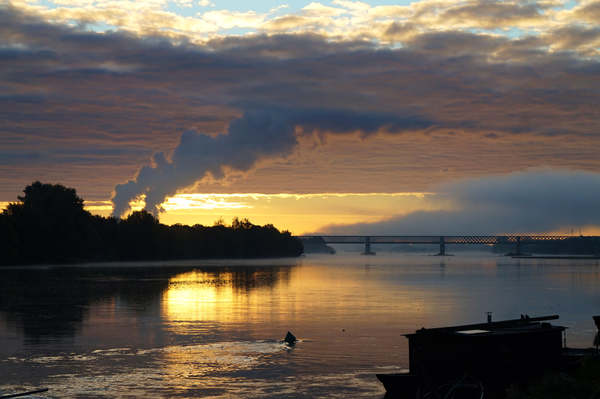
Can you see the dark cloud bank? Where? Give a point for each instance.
(236, 101)
(525, 202)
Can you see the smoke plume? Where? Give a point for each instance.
(258, 134)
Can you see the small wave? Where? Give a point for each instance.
(111, 352)
(252, 347)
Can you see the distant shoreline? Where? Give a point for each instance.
(200, 262)
(570, 257)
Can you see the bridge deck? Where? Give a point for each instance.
(431, 239)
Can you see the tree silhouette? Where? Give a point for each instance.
(9, 240)
(50, 222)
(141, 218)
(50, 225)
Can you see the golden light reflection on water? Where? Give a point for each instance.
(289, 296)
(197, 303)
(225, 297)
(197, 295)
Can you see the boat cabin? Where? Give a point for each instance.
(494, 352)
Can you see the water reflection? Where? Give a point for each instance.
(213, 330)
(223, 296)
(54, 303)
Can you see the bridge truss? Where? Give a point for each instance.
(517, 240)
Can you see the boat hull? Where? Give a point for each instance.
(400, 385)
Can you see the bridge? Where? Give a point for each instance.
(442, 240)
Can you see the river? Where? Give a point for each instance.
(213, 328)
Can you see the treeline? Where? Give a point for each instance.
(49, 225)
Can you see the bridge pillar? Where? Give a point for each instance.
(442, 247)
(368, 246)
(518, 248)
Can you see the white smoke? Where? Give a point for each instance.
(258, 134)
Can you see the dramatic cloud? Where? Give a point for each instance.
(339, 19)
(527, 202)
(89, 109)
(258, 134)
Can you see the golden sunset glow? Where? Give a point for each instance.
(204, 201)
(298, 213)
(302, 213)
(359, 110)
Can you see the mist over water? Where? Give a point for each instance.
(213, 328)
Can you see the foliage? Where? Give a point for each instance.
(50, 225)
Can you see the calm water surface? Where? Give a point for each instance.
(213, 328)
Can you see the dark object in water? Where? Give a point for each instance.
(470, 357)
(405, 385)
(16, 395)
(290, 339)
(400, 384)
(597, 321)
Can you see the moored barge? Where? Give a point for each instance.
(479, 357)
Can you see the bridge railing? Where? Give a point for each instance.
(442, 240)
(435, 239)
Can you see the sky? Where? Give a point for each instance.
(393, 117)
